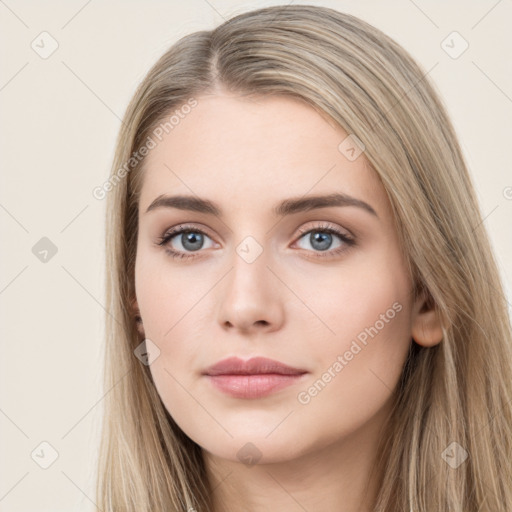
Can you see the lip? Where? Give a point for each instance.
(255, 378)
(253, 366)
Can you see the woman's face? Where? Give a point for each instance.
(263, 276)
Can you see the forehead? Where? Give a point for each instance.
(247, 151)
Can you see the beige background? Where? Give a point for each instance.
(60, 117)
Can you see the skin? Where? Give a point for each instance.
(305, 311)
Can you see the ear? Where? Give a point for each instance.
(426, 325)
(137, 318)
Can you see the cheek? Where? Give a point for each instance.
(365, 328)
(172, 302)
(166, 294)
(341, 302)
(357, 376)
(359, 365)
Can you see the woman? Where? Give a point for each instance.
(304, 310)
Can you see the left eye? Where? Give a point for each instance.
(320, 239)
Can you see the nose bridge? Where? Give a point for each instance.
(250, 296)
(249, 274)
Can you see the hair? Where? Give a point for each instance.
(459, 391)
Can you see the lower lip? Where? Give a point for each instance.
(253, 386)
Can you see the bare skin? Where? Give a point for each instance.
(302, 301)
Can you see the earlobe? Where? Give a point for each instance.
(427, 328)
(137, 318)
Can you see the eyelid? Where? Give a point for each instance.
(326, 225)
(185, 226)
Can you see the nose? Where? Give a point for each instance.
(251, 297)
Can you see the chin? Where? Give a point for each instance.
(250, 451)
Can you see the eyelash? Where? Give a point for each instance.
(324, 228)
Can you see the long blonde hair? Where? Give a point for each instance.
(454, 399)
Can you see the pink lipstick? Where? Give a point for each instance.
(255, 378)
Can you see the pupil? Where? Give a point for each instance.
(323, 238)
(192, 241)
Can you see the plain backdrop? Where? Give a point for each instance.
(60, 116)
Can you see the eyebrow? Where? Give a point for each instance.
(286, 207)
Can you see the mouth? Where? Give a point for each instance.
(256, 378)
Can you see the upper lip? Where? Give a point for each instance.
(255, 365)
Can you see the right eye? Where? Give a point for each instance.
(191, 239)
